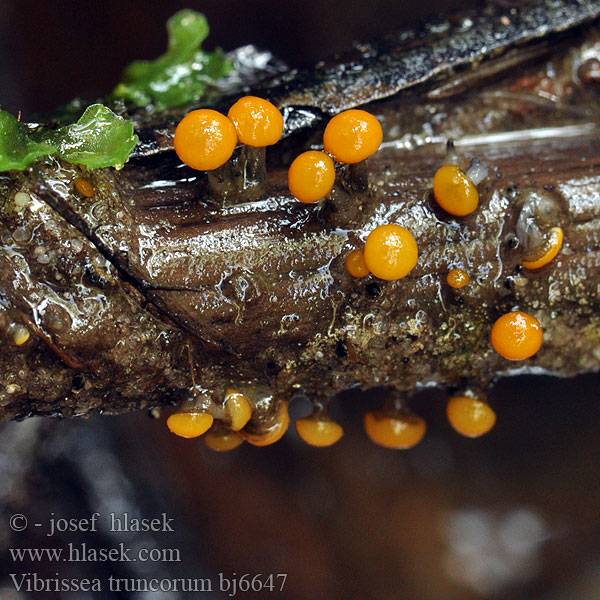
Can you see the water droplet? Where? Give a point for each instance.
(21, 234)
(22, 199)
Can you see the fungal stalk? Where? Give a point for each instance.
(258, 124)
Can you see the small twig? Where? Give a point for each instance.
(70, 362)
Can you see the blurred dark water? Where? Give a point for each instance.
(513, 515)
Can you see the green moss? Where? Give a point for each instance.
(18, 147)
(179, 76)
(98, 139)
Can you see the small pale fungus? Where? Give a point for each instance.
(237, 408)
(551, 249)
(271, 434)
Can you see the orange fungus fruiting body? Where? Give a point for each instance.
(390, 252)
(352, 136)
(189, 425)
(457, 278)
(84, 188)
(237, 408)
(273, 433)
(205, 139)
(552, 247)
(355, 264)
(517, 335)
(319, 432)
(222, 441)
(311, 176)
(469, 416)
(257, 122)
(18, 333)
(454, 191)
(398, 432)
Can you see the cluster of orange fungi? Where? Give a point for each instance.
(206, 139)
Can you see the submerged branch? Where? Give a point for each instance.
(152, 292)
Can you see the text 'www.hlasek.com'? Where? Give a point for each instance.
(26, 578)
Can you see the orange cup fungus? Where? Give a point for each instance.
(189, 424)
(398, 432)
(237, 408)
(311, 176)
(457, 278)
(319, 431)
(355, 264)
(18, 333)
(454, 191)
(205, 139)
(469, 416)
(273, 433)
(352, 136)
(517, 335)
(390, 252)
(84, 188)
(258, 122)
(551, 249)
(222, 441)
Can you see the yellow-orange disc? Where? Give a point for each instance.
(205, 139)
(352, 136)
(318, 431)
(399, 432)
(84, 188)
(469, 416)
(355, 263)
(311, 176)
(454, 191)
(390, 252)
(257, 122)
(222, 441)
(457, 278)
(189, 425)
(517, 335)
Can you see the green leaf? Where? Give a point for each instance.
(98, 139)
(17, 148)
(179, 76)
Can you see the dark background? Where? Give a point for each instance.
(513, 515)
(53, 51)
